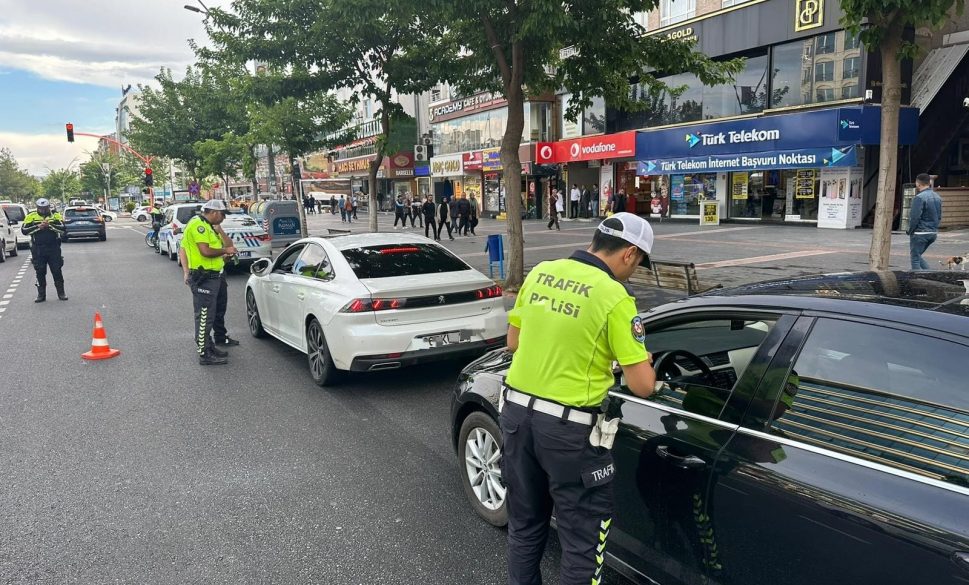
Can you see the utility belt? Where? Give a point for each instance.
(603, 429)
(203, 273)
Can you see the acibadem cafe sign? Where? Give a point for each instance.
(785, 159)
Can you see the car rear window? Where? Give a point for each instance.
(88, 212)
(390, 260)
(185, 214)
(14, 213)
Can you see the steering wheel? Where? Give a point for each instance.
(666, 363)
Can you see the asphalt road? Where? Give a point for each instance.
(148, 468)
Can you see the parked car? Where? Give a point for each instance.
(372, 302)
(249, 238)
(8, 238)
(804, 431)
(141, 213)
(83, 222)
(16, 213)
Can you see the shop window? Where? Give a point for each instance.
(852, 67)
(791, 73)
(825, 94)
(850, 92)
(824, 71)
(824, 44)
(673, 11)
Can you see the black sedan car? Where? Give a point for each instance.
(804, 431)
(83, 222)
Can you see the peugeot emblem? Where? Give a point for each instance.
(440, 300)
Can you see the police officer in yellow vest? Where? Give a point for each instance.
(572, 320)
(45, 228)
(203, 251)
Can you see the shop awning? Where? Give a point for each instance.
(934, 72)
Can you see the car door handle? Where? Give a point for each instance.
(301, 295)
(688, 462)
(276, 288)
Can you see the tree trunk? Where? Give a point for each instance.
(298, 195)
(271, 162)
(879, 256)
(372, 195)
(512, 169)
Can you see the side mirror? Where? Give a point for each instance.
(259, 266)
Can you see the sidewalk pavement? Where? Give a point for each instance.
(729, 254)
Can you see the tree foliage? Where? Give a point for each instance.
(15, 182)
(61, 184)
(513, 47)
(375, 48)
(881, 25)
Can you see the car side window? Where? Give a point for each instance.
(169, 216)
(890, 396)
(700, 361)
(313, 263)
(284, 264)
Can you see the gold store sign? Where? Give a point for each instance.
(808, 14)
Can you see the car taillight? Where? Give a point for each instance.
(488, 293)
(369, 305)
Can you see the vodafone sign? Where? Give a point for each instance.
(619, 145)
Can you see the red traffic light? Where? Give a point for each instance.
(149, 179)
(70, 132)
(147, 171)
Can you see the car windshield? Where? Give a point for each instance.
(14, 213)
(86, 212)
(390, 260)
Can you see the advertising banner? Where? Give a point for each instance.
(804, 184)
(619, 145)
(785, 159)
(472, 161)
(833, 204)
(739, 186)
(709, 213)
(491, 160)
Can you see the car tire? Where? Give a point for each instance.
(172, 254)
(107, 218)
(318, 358)
(252, 315)
(3, 251)
(103, 237)
(487, 498)
(13, 252)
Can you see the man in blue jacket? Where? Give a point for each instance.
(923, 226)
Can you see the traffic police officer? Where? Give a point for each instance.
(204, 256)
(45, 228)
(555, 443)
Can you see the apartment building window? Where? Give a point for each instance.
(850, 92)
(642, 19)
(852, 41)
(729, 3)
(825, 44)
(825, 94)
(673, 11)
(824, 71)
(851, 67)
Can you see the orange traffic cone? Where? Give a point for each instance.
(100, 350)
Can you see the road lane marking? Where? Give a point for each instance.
(762, 259)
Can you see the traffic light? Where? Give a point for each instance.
(70, 132)
(149, 179)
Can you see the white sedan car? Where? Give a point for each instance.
(372, 302)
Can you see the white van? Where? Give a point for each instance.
(15, 213)
(8, 238)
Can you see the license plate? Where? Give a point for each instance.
(449, 338)
(245, 254)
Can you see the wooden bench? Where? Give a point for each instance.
(675, 275)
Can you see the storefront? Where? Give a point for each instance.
(800, 167)
(598, 163)
(447, 174)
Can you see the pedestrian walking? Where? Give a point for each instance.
(342, 205)
(312, 204)
(574, 197)
(924, 220)
(595, 201)
(474, 214)
(556, 451)
(444, 213)
(427, 210)
(319, 205)
(408, 210)
(464, 215)
(560, 203)
(553, 209)
(348, 209)
(400, 212)
(620, 202)
(584, 201)
(203, 252)
(453, 215)
(355, 203)
(416, 212)
(332, 204)
(45, 228)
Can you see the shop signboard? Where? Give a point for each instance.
(605, 187)
(609, 146)
(831, 127)
(709, 213)
(491, 160)
(472, 161)
(464, 106)
(739, 186)
(776, 160)
(447, 166)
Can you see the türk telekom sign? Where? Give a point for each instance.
(619, 145)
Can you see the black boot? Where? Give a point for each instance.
(218, 352)
(210, 359)
(60, 291)
(41, 293)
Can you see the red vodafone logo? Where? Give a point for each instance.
(619, 145)
(574, 151)
(544, 152)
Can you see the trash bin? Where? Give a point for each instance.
(280, 219)
(496, 255)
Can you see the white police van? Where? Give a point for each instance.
(249, 238)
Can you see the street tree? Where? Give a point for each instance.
(16, 183)
(882, 25)
(513, 46)
(376, 49)
(61, 184)
(222, 158)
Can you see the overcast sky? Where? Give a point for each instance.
(67, 60)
